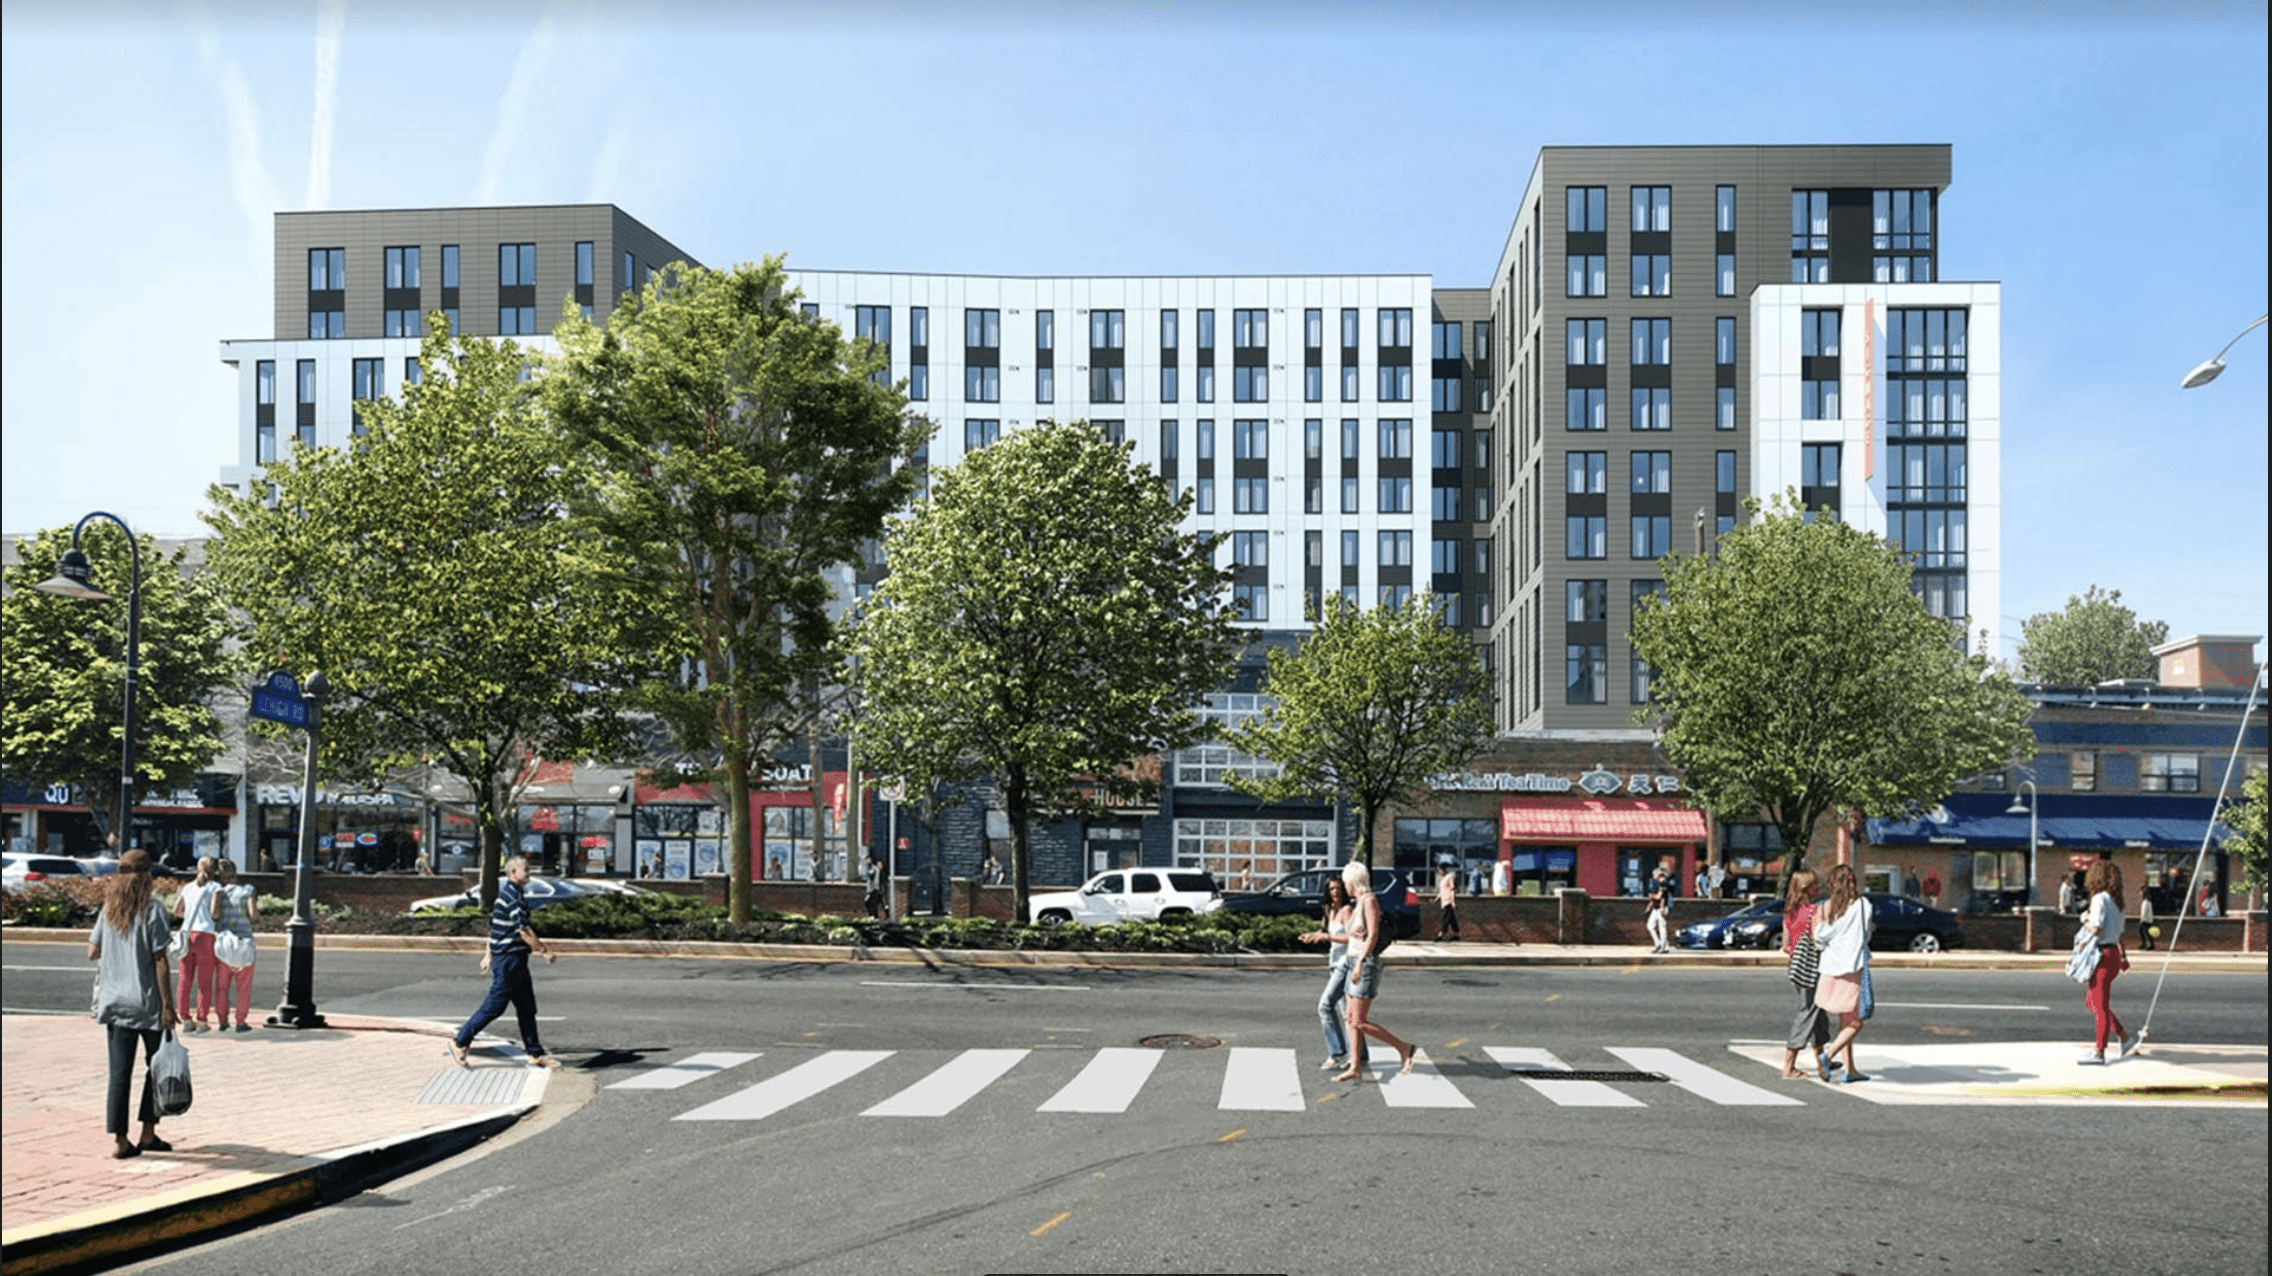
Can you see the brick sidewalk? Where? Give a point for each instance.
(269, 1103)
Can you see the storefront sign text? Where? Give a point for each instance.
(1598, 780)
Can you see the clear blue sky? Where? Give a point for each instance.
(2109, 171)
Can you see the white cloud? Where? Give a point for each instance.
(505, 138)
(331, 20)
(607, 165)
(251, 187)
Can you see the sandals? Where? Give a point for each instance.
(122, 1151)
(543, 1061)
(153, 1144)
(457, 1055)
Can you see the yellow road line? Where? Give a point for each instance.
(1232, 1135)
(1453, 1045)
(1051, 1223)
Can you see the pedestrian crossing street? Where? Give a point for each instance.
(755, 1086)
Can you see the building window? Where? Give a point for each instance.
(1252, 853)
(1724, 473)
(516, 321)
(1586, 668)
(1349, 491)
(1349, 328)
(1444, 556)
(1652, 473)
(1724, 275)
(403, 321)
(1652, 342)
(1108, 385)
(1652, 407)
(264, 383)
(1207, 329)
(982, 355)
(1652, 536)
(449, 265)
(2082, 771)
(1348, 439)
(872, 323)
(1250, 602)
(1168, 334)
(1206, 439)
(1925, 474)
(1250, 384)
(1169, 433)
(1724, 210)
(1396, 439)
(1250, 330)
(1810, 237)
(1204, 494)
(1443, 394)
(1350, 546)
(327, 294)
(919, 382)
(978, 433)
(1396, 496)
(1724, 342)
(1167, 383)
(1313, 384)
(327, 270)
(584, 263)
(1901, 236)
(1444, 449)
(1643, 679)
(1395, 327)
(630, 272)
(1586, 214)
(305, 432)
(1108, 329)
(369, 383)
(1819, 367)
(1652, 275)
(1215, 763)
(1250, 496)
(1652, 209)
(516, 265)
(1589, 275)
(1206, 381)
(2170, 772)
(1586, 209)
(1588, 342)
(412, 372)
(1394, 597)
(1444, 504)
(1250, 440)
(1586, 473)
(1250, 549)
(1818, 476)
(1724, 408)
(1585, 536)
(1396, 549)
(1587, 408)
(1395, 383)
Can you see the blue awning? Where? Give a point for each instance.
(2083, 821)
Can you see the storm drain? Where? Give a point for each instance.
(1584, 1074)
(1179, 1041)
(486, 1087)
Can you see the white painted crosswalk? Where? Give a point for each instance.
(1114, 1080)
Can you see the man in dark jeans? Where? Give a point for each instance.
(1661, 891)
(506, 962)
(873, 873)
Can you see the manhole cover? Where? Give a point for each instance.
(1584, 1074)
(1179, 1041)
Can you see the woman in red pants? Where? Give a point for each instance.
(2102, 922)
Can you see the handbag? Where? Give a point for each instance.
(1869, 1004)
(2083, 962)
(168, 1084)
(1805, 969)
(234, 950)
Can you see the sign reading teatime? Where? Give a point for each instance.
(1600, 780)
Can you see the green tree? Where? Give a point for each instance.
(1046, 622)
(2244, 832)
(427, 571)
(1370, 705)
(2093, 639)
(1796, 674)
(742, 453)
(65, 670)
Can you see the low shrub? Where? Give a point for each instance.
(62, 902)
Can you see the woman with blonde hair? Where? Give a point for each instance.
(194, 906)
(2102, 923)
(1365, 973)
(234, 911)
(1842, 933)
(1809, 1029)
(133, 996)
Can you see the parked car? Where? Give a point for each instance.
(1755, 925)
(19, 871)
(1129, 895)
(1303, 893)
(1902, 922)
(538, 891)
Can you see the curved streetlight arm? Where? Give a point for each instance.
(71, 581)
(2209, 371)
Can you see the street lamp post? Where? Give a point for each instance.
(2210, 371)
(71, 580)
(2034, 801)
(298, 1009)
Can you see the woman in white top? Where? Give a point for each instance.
(2102, 922)
(1365, 973)
(1842, 933)
(1332, 1004)
(194, 906)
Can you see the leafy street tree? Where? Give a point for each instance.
(65, 670)
(1370, 705)
(427, 571)
(740, 453)
(2094, 639)
(1046, 622)
(1795, 674)
(2244, 825)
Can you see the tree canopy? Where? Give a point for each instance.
(1370, 704)
(2093, 639)
(1047, 622)
(2244, 831)
(740, 453)
(65, 670)
(1796, 674)
(426, 570)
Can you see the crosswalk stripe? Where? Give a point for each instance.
(1568, 1094)
(685, 1072)
(1109, 1083)
(1261, 1080)
(951, 1085)
(1699, 1080)
(1423, 1087)
(794, 1086)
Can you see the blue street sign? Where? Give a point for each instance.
(282, 683)
(276, 706)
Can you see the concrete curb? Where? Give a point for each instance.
(1404, 953)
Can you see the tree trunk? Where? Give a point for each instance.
(1014, 804)
(1363, 850)
(743, 837)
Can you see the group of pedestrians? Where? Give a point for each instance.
(1353, 937)
(218, 913)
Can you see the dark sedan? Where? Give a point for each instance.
(1755, 925)
(1901, 922)
(1303, 894)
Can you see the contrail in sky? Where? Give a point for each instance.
(331, 20)
(250, 186)
(505, 136)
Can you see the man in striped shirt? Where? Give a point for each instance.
(506, 962)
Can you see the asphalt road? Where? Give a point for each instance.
(611, 1180)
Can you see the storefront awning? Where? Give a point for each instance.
(1598, 820)
(2081, 821)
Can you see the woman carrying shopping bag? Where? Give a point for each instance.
(1842, 932)
(133, 994)
(2102, 928)
(234, 912)
(194, 906)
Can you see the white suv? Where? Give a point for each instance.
(1130, 895)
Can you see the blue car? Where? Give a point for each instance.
(1755, 925)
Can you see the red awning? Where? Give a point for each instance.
(1598, 820)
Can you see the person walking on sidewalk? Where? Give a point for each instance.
(1365, 973)
(2148, 932)
(1803, 961)
(234, 912)
(133, 994)
(1447, 903)
(194, 906)
(873, 895)
(507, 964)
(1333, 1003)
(1842, 933)
(1661, 888)
(2102, 923)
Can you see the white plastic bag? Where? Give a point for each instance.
(235, 951)
(169, 1077)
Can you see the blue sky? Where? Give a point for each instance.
(2109, 172)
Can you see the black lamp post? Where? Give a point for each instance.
(298, 1009)
(71, 580)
